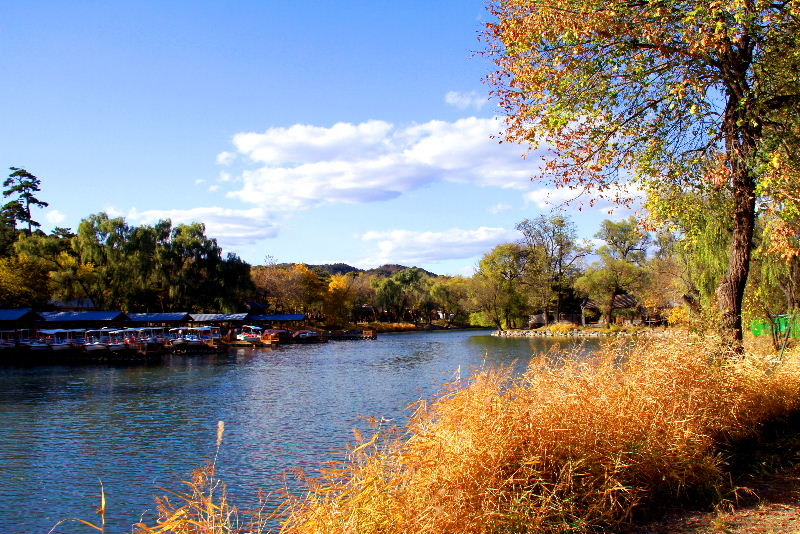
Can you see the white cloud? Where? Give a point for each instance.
(226, 158)
(213, 188)
(303, 166)
(552, 197)
(54, 216)
(500, 208)
(410, 248)
(557, 197)
(463, 100)
(232, 228)
(113, 211)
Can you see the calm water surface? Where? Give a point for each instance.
(65, 429)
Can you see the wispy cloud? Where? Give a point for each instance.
(303, 166)
(226, 158)
(232, 228)
(54, 216)
(465, 100)
(411, 248)
(552, 197)
(500, 208)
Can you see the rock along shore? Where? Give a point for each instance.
(579, 332)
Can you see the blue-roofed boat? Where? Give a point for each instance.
(96, 341)
(251, 334)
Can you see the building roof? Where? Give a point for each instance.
(20, 314)
(217, 317)
(620, 302)
(279, 317)
(172, 317)
(84, 316)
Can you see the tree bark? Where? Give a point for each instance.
(731, 290)
(741, 141)
(610, 314)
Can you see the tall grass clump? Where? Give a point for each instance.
(568, 447)
(203, 507)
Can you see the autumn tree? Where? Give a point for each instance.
(496, 292)
(365, 299)
(68, 278)
(339, 299)
(24, 283)
(620, 269)
(663, 95)
(554, 260)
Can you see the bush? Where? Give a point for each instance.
(561, 328)
(678, 316)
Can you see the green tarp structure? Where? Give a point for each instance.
(783, 323)
(760, 327)
(789, 323)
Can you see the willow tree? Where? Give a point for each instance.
(663, 95)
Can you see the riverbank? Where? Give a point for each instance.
(567, 330)
(394, 328)
(567, 448)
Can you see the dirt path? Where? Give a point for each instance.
(768, 505)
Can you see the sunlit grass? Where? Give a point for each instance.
(567, 447)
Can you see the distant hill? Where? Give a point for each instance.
(335, 268)
(383, 270)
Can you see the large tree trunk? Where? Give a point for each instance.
(742, 134)
(609, 314)
(741, 146)
(731, 289)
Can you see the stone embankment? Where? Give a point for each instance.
(580, 332)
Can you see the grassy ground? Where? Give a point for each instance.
(574, 445)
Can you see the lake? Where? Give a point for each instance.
(138, 428)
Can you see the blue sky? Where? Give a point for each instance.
(316, 132)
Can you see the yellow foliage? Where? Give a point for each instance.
(678, 316)
(339, 284)
(561, 328)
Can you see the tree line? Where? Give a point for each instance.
(110, 264)
(549, 272)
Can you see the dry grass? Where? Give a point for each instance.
(568, 447)
(565, 448)
(389, 327)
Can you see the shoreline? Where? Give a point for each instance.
(582, 332)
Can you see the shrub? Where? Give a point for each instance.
(561, 328)
(678, 316)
